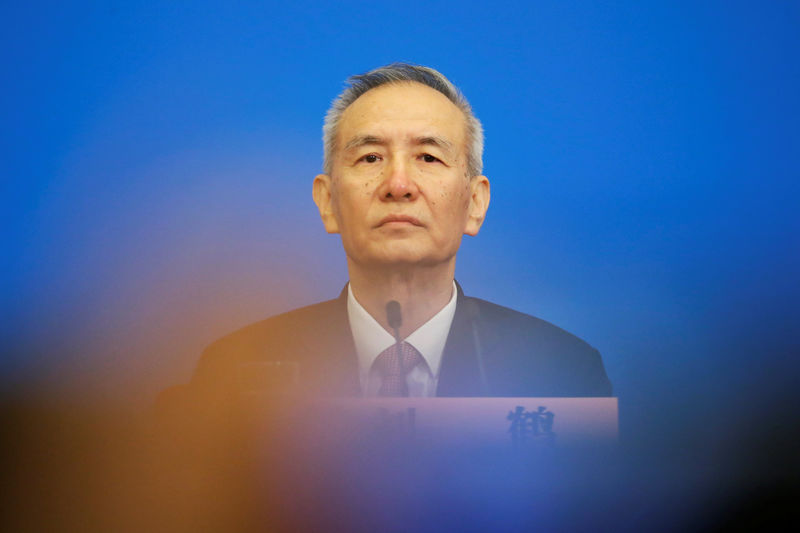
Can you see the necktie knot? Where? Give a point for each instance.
(393, 364)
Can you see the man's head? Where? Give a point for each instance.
(400, 183)
(396, 73)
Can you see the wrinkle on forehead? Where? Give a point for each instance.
(429, 115)
(376, 140)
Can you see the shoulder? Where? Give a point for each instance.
(505, 321)
(534, 357)
(280, 336)
(279, 327)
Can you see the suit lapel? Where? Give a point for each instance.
(459, 374)
(332, 352)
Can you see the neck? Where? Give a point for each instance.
(421, 292)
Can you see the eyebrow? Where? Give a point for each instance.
(430, 140)
(439, 142)
(363, 140)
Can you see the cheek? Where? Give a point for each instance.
(447, 193)
(350, 199)
(459, 198)
(367, 189)
(452, 203)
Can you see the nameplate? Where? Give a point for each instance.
(478, 422)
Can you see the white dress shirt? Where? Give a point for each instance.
(429, 339)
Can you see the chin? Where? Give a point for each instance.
(401, 258)
(401, 253)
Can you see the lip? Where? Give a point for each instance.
(399, 219)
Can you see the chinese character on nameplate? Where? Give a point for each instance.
(531, 426)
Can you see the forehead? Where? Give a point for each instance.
(403, 110)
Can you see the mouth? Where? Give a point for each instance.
(399, 220)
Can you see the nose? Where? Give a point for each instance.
(398, 183)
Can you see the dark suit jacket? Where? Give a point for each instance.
(490, 351)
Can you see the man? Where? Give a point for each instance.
(402, 183)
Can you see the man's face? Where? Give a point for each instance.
(399, 192)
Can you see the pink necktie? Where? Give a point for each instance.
(393, 364)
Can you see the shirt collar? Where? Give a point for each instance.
(371, 339)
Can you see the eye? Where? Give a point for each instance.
(370, 158)
(428, 158)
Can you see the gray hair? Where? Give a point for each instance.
(398, 73)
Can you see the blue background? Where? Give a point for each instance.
(157, 161)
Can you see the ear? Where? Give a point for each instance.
(322, 197)
(478, 204)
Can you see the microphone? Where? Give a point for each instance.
(394, 317)
(473, 313)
